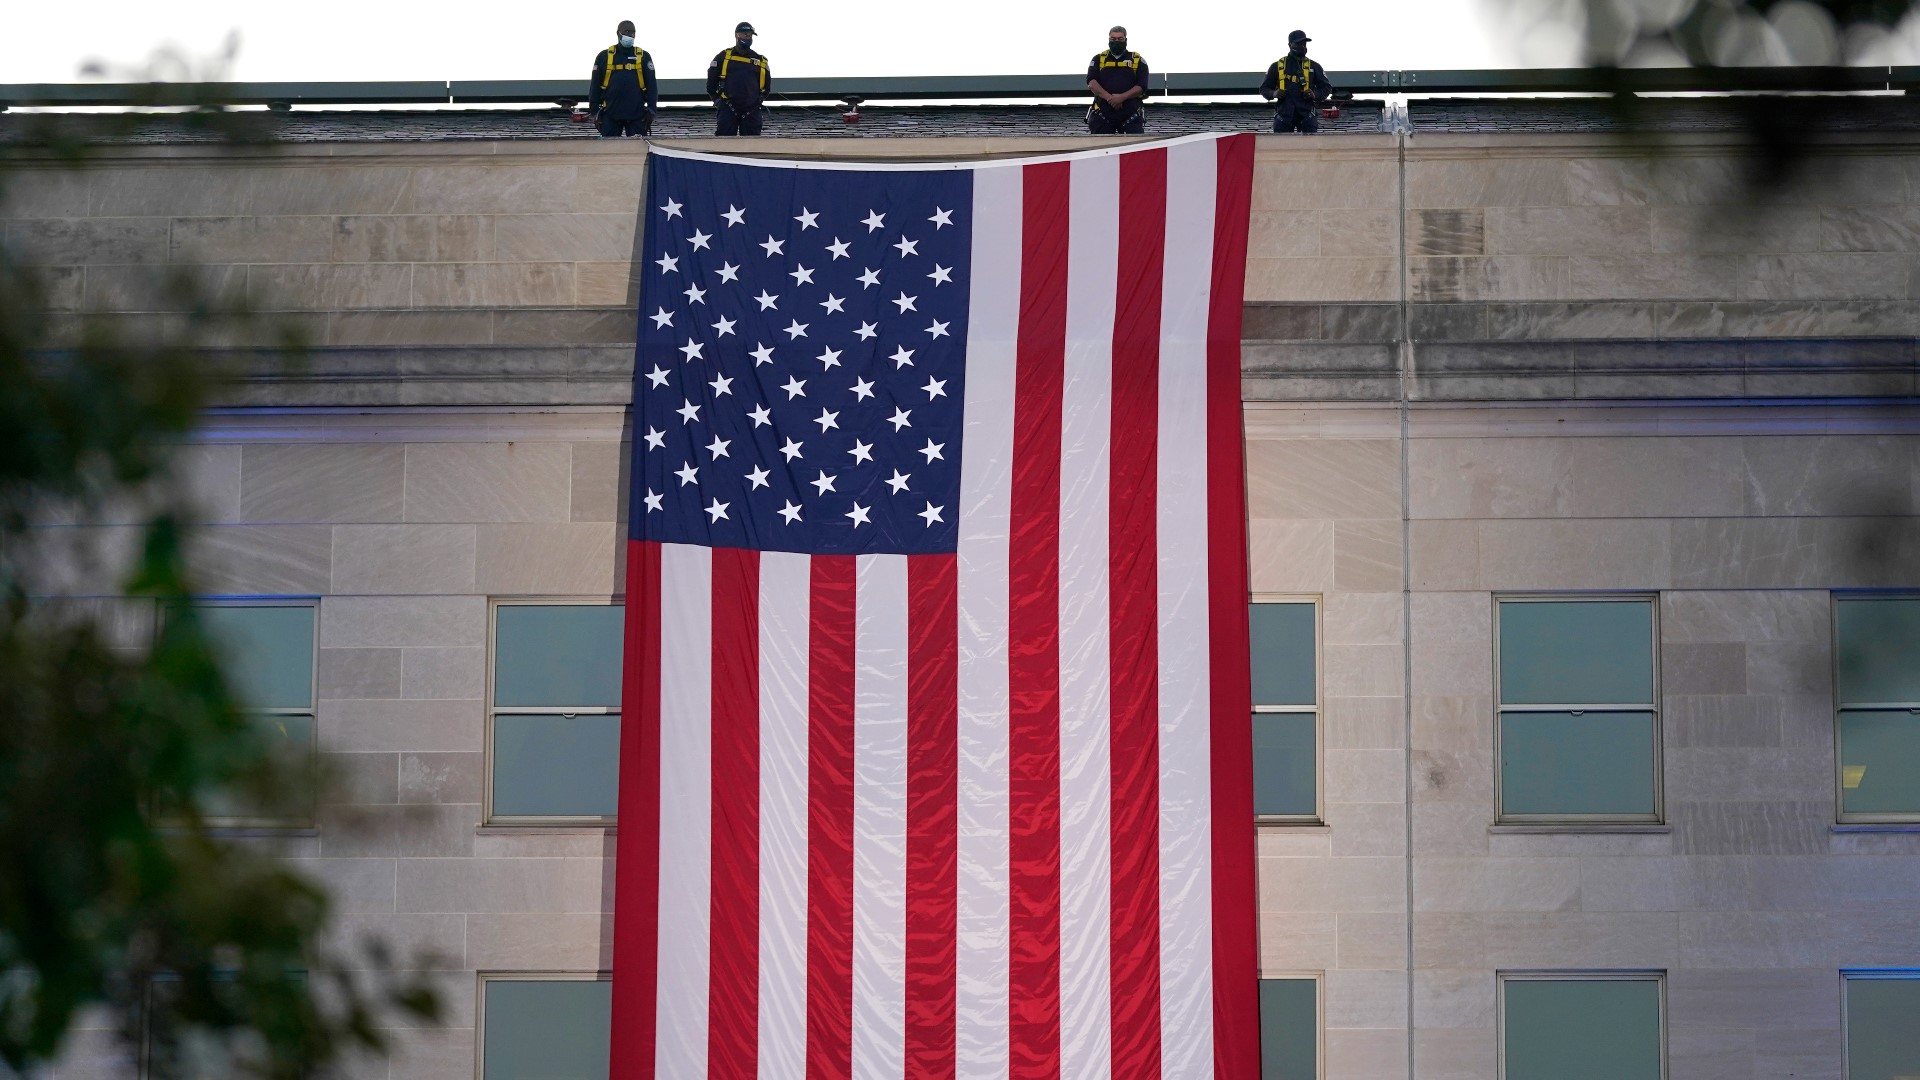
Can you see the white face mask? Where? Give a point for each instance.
(627, 40)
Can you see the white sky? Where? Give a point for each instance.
(385, 39)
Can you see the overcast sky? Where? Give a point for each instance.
(382, 39)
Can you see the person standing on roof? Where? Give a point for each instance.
(1118, 79)
(738, 83)
(1298, 86)
(623, 93)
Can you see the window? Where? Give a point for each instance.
(553, 715)
(1582, 1027)
(544, 1027)
(268, 647)
(1579, 726)
(1882, 1040)
(197, 1052)
(1876, 682)
(1290, 1028)
(1286, 709)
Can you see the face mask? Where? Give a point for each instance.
(743, 43)
(1117, 46)
(627, 40)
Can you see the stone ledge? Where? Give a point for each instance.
(1704, 369)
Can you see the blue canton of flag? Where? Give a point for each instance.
(800, 370)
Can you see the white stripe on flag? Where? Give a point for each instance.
(981, 952)
(686, 807)
(880, 818)
(784, 629)
(1086, 855)
(1186, 865)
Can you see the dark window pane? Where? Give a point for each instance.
(1594, 1029)
(1879, 761)
(1559, 763)
(290, 736)
(1878, 656)
(1282, 654)
(556, 765)
(1289, 1029)
(268, 651)
(547, 1030)
(555, 655)
(1572, 652)
(1883, 1040)
(1283, 763)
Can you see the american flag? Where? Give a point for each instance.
(936, 751)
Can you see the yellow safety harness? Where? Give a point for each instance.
(1131, 63)
(640, 72)
(728, 57)
(1304, 78)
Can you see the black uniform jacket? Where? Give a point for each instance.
(1290, 85)
(739, 77)
(1116, 74)
(623, 83)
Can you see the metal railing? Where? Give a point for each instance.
(970, 87)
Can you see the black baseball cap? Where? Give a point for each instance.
(1298, 35)
(745, 28)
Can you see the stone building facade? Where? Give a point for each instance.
(1479, 367)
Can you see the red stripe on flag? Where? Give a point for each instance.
(1033, 636)
(1134, 635)
(733, 986)
(1236, 985)
(636, 941)
(933, 791)
(830, 820)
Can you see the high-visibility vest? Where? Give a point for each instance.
(637, 67)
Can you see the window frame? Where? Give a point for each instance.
(311, 820)
(1502, 977)
(518, 821)
(1500, 711)
(483, 977)
(1318, 708)
(1848, 975)
(1319, 979)
(1835, 598)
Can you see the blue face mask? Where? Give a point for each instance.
(627, 40)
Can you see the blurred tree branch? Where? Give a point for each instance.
(117, 889)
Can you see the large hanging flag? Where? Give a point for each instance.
(936, 752)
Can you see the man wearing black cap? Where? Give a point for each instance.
(738, 82)
(1298, 85)
(1118, 79)
(623, 93)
